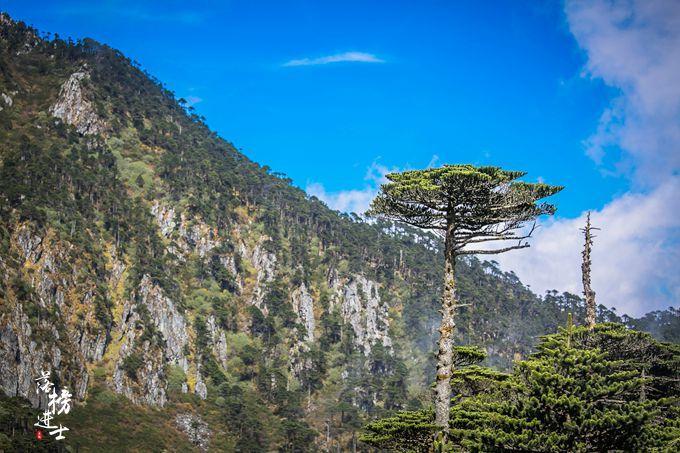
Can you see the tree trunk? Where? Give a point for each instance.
(585, 275)
(445, 355)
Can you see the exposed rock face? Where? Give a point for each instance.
(303, 305)
(264, 263)
(167, 320)
(218, 339)
(172, 327)
(299, 364)
(150, 385)
(198, 236)
(165, 217)
(74, 108)
(195, 428)
(363, 310)
(190, 235)
(22, 358)
(28, 244)
(30, 343)
(229, 263)
(6, 99)
(200, 389)
(92, 345)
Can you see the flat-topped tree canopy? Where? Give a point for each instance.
(473, 204)
(466, 205)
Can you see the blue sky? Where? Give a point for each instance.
(497, 84)
(336, 93)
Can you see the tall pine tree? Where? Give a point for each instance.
(467, 206)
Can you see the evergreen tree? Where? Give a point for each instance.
(466, 205)
(606, 389)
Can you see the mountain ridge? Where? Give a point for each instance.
(144, 256)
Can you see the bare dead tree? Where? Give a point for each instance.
(585, 273)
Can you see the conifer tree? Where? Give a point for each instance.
(581, 391)
(606, 389)
(467, 206)
(411, 431)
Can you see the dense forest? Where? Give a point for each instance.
(192, 299)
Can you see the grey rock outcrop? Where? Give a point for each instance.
(218, 340)
(30, 343)
(165, 217)
(197, 236)
(151, 388)
(167, 320)
(363, 310)
(264, 263)
(189, 235)
(200, 389)
(7, 100)
(73, 107)
(170, 324)
(303, 305)
(22, 358)
(195, 429)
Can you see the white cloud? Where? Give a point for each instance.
(356, 200)
(344, 201)
(635, 255)
(635, 47)
(356, 57)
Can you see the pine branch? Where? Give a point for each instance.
(492, 252)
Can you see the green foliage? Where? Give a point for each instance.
(467, 355)
(176, 378)
(111, 422)
(212, 369)
(404, 432)
(94, 194)
(17, 433)
(610, 389)
(131, 365)
(663, 324)
(299, 437)
(438, 197)
(221, 275)
(245, 416)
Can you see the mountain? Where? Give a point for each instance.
(190, 298)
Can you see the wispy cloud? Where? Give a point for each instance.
(635, 255)
(353, 57)
(633, 46)
(433, 161)
(358, 200)
(193, 100)
(354, 200)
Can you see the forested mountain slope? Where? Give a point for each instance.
(162, 275)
